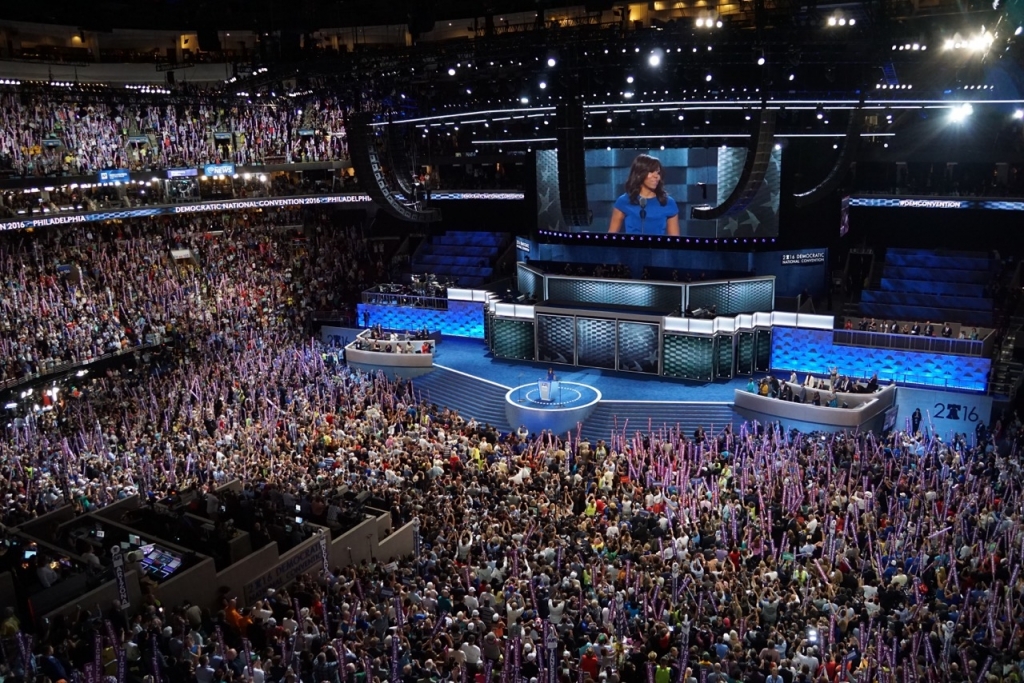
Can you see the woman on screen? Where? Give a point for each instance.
(645, 208)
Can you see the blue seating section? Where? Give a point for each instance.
(923, 285)
(916, 299)
(932, 287)
(466, 256)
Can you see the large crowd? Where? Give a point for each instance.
(736, 553)
(54, 133)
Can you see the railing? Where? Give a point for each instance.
(66, 367)
(414, 300)
(909, 342)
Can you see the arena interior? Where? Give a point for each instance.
(429, 341)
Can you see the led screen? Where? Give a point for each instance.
(556, 339)
(693, 176)
(596, 345)
(638, 347)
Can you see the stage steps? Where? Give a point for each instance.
(472, 397)
(611, 415)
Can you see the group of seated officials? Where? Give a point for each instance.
(915, 329)
(392, 342)
(797, 392)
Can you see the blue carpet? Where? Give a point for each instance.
(471, 356)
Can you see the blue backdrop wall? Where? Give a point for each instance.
(812, 351)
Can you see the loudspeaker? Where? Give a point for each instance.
(572, 172)
(366, 159)
(758, 158)
(209, 40)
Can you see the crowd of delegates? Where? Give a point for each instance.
(74, 296)
(49, 133)
(726, 555)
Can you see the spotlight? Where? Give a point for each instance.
(960, 114)
(451, 71)
(524, 100)
(831, 21)
(1018, 31)
(852, 22)
(551, 61)
(718, 24)
(820, 114)
(778, 147)
(708, 78)
(792, 77)
(654, 60)
(760, 59)
(700, 23)
(842, 22)
(1018, 114)
(543, 85)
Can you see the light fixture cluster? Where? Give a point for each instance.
(978, 43)
(148, 89)
(838, 21)
(9, 81)
(910, 47)
(887, 86)
(708, 22)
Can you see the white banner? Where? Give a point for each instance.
(122, 584)
(943, 412)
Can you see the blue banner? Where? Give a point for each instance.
(219, 169)
(182, 173)
(115, 176)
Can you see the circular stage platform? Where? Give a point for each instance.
(568, 404)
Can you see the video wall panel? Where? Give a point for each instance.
(638, 347)
(689, 357)
(596, 343)
(556, 339)
(512, 339)
(694, 176)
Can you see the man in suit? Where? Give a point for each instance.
(929, 329)
(947, 331)
(916, 329)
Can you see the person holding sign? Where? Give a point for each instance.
(645, 207)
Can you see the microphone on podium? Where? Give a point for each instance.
(643, 212)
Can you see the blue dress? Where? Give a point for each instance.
(657, 215)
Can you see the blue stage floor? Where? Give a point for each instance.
(472, 357)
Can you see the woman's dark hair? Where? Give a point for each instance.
(638, 170)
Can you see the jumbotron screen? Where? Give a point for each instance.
(692, 176)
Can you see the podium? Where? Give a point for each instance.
(548, 389)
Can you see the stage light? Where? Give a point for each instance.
(831, 21)
(718, 23)
(524, 100)
(551, 61)
(1018, 114)
(700, 23)
(777, 147)
(820, 114)
(960, 114)
(792, 77)
(708, 78)
(760, 59)
(451, 71)
(842, 22)
(543, 85)
(1018, 31)
(629, 79)
(853, 22)
(654, 60)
